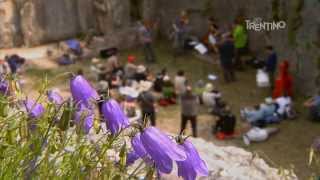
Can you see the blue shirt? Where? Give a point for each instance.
(271, 63)
(317, 101)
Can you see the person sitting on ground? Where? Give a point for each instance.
(112, 64)
(95, 67)
(313, 104)
(210, 96)
(65, 60)
(116, 81)
(269, 111)
(219, 108)
(254, 115)
(168, 96)
(256, 134)
(189, 110)
(141, 74)
(131, 110)
(158, 83)
(180, 83)
(74, 47)
(284, 106)
(130, 68)
(225, 126)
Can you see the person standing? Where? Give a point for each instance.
(145, 31)
(180, 83)
(240, 41)
(148, 107)
(189, 110)
(227, 53)
(284, 82)
(271, 64)
(180, 27)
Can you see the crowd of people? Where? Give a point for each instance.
(141, 92)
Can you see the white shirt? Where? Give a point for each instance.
(179, 84)
(257, 134)
(209, 98)
(284, 103)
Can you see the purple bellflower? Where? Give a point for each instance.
(114, 116)
(84, 117)
(34, 110)
(82, 91)
(193, 165)
(4, 87)
(162, 150)
(138, 151)
(55, 97)
(132, 157)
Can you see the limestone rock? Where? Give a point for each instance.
(45, 21)
(8, 24)
(232, 163)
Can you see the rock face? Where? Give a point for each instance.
(45, 20)
(8, 24)
(227, 163)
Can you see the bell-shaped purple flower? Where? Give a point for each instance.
(138, 146)
(114, 115)
(34, 110)
(82, 91)
(54, 97)
(193, 165)
(132, 157)
(4, 87)
(161, 149)
(84, 117)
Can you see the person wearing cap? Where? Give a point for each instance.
(130, 68)
(189, 110)
(269, 111)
